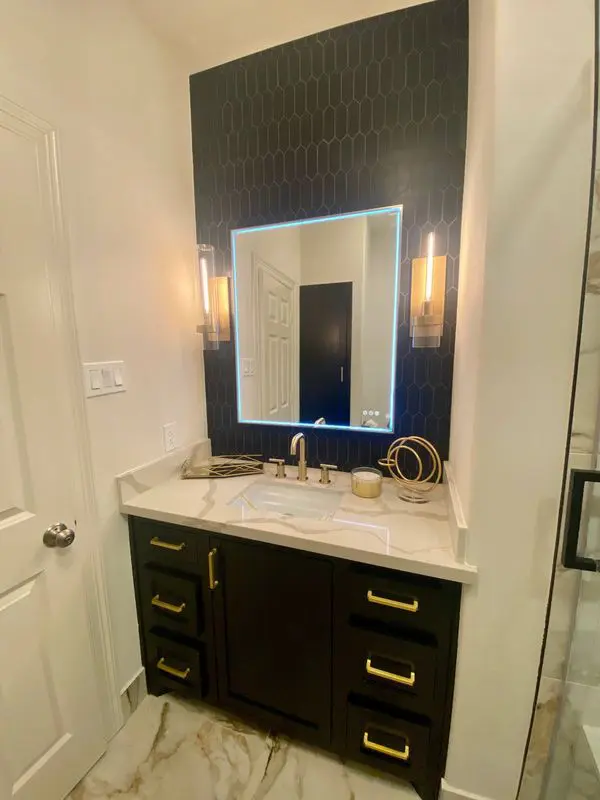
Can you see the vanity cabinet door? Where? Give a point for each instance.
(272, 612)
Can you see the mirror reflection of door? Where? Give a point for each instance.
(316, 303)
(325, 352)
(275, 343)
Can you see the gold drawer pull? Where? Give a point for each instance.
(385, 601)
(156, 601)
(390, 676)
(401, 755)
(212, 581)
(156, 542)
(177, 673)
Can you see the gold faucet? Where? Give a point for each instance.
(299, 437)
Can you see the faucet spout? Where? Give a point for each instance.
(299, 437)
(302, 466)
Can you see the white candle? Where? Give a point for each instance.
(365, 475)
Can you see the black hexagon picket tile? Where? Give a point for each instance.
(365, 115)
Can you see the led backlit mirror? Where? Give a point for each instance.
(316, 303)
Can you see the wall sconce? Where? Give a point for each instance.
(213, 301)
(427, 298)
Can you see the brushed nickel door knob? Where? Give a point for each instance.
(58, 536)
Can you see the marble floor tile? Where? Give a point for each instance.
(178, 750)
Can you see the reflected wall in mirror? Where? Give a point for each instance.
(316, 304)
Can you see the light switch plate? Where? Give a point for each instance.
(248, 367)
(170, 437)
(104, 377)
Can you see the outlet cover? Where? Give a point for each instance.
(170, 437)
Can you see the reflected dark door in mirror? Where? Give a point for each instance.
(325, 352)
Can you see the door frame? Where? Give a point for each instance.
(259, 268)
(20, 121)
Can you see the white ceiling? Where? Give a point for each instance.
(210, 32)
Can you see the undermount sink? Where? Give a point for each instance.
(290, 500)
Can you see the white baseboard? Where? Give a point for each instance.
(133, 694)
(452, 793)
(458, 524)
(132, 680)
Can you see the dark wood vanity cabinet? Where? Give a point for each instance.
(272, 614)
(354, 659)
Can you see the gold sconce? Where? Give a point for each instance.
(213, 301)
(427, 299)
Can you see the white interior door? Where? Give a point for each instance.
(276, 364)
(51, 728)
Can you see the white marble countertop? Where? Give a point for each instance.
(385, 532)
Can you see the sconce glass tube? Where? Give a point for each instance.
(429, 268)
(208, 311)
(427, 299)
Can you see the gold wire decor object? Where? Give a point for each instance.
(223, 467)
(425, 456)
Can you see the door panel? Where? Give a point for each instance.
(325, 352)
(51, 728)
(273, 630)
(13, 457)
(276, 343)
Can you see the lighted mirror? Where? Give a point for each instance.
(316, 303)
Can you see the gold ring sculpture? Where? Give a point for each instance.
(414, 490)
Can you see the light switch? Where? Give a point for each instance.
(95, 379)
(104, 377)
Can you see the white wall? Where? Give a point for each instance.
(207, 34)
(119, 102)
(524, 226)
(280, 248)
(335, 253)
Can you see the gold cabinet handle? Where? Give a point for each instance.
(156, 542)
(156, 601)
(212, 581)
(390, 676)
(401, 755)
(183, 674)
(385, 601)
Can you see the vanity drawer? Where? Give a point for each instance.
(391, 669)
(396, 599)
(175, 667)
(171, 601)
(387, 743)
(167, 545)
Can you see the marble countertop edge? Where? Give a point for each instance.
(441, 568)
(385, 532)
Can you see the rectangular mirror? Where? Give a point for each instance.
(316, 303)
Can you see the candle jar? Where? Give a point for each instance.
(366, 482)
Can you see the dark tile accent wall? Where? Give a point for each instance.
(366, 115)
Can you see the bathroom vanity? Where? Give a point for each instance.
(341, 633)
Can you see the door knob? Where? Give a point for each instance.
(58, 536)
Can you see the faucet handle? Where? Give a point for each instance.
(280, 466)
(325, 472)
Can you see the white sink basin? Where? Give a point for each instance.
(290, 500)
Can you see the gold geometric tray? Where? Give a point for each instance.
(223, 467)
